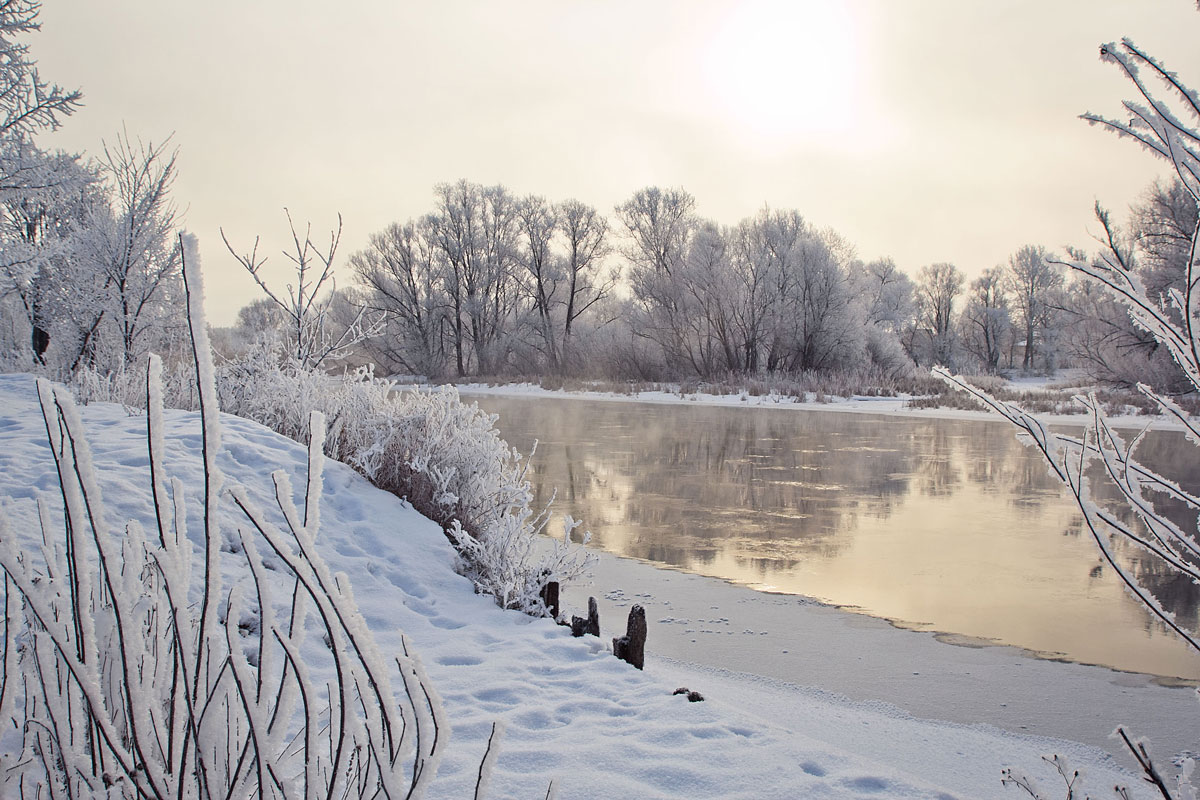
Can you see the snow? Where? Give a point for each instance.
(571, 712)
(858, 404)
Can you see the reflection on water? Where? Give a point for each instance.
(942, 525)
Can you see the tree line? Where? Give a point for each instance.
(489, 284)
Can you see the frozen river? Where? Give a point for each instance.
(938, 525)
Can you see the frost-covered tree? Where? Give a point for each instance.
(399, 274)
(310, 336)
(885, 302)
(88, 262)
(938, 286)
(772, 293)
(28, 104)
(45, 288)
(1099, 335)
(1161, 225)
(474, 231)
(537, 224)
(986, 323)
(36, 187)
(132, 247)
(658, 225)
(757, 248)
(817, 327)
(259, 319)
(588, 279)
(486, 282)
(887, 293)
(1034, 279)
(90, 258)
(562, 250)
(1154, 513)
(706, 305)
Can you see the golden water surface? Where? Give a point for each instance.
(943, 525)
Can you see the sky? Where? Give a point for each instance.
(923, 130)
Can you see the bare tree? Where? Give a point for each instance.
(537, 222)
(399, 271)
(986, 323)
(658, 225)
(310, 338)
(938, 286)
(27, 103)
(588, 282)
(1034, 278)
(474, 231)
(134, 248)
(819, 312)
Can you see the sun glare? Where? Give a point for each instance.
(784, 69)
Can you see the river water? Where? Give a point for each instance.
(934, 524)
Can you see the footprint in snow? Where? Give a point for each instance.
(459, 660)
(867, 784)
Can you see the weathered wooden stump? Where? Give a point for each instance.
(632, 646)
(593, 620)
(549, 596)
(591, 625)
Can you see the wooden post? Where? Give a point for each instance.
(632, 646)
(591, 625)
(593, 620)
(549, 596)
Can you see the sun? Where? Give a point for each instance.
(784, 69)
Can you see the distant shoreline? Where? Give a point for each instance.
(859, 404)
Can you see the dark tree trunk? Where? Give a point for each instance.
(40, 339)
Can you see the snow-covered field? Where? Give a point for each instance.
(574, 714)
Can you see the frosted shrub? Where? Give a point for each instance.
(508, 564)
(127, 387)
(129, 671)
(445, 456)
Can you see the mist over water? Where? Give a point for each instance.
(943, 525)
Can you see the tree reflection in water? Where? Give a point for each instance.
(947, 525)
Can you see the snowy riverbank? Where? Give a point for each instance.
(576, 715)
(858, 404)
(777, 637)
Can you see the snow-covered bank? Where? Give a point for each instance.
(859, 404)
(573, 713)
(788, 639)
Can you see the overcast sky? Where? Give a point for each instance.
(925, 130)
